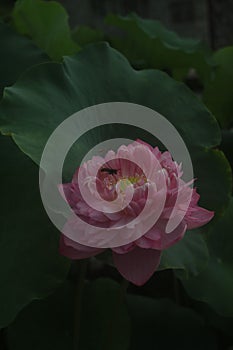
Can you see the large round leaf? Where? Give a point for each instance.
(30, 264)
(51, 92)
(17, 54)
(98, 74)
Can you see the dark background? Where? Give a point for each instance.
(210, 20)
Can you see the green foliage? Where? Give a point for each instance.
(105, 322)
(215, 284)
(148, 44)
(227, 144)
(161, 324)
(51, 93)
(218, 90)
(190, 255)
(30, 264)
(213, 166)
(47, 24)
(52, 90)
(105, 317)
(117, 81)
(33, 297)
(84, 35)
(17, 54)
(5, 9)
(49, 323)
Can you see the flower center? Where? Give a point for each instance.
(115, 176)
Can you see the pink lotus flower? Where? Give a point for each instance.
(138, 259)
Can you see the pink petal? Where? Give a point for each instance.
(138, 265)
(143, 143)
(161, 240)
(197, 217)
(195, 198)
(144, 242)
(70, 193)
(124, 248)
(74, 250)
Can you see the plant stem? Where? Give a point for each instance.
(115, 314)
(176, 288)
(124, 286)
(80, 282)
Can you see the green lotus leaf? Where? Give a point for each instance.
(84, 35)
(148, 44)
(214, 285)
(30, 264)
(190, 255)
(47, 24)
(218, 89)
(104, 320)
(162, 324)
(17, 54)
